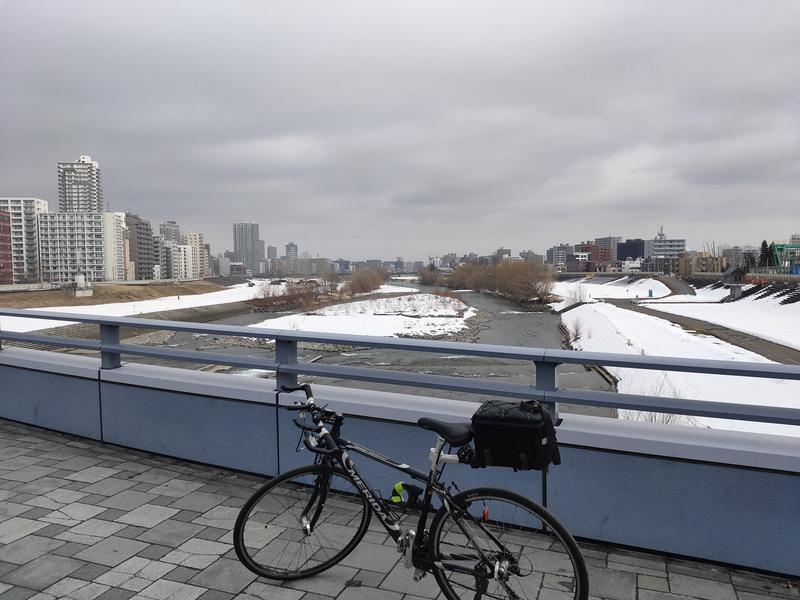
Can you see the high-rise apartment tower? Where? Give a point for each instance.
(79, 186)
(247, 245)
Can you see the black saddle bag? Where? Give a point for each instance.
(514, 434)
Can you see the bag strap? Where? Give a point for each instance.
(550, 432)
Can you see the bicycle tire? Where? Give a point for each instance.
(531, 541)
(269, 526)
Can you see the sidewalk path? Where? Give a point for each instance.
(84, 520)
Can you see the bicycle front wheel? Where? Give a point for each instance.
(509, 546)
(301, 523)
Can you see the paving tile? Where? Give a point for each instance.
(127, 500)
(18, 593)
(329, 582)
(199, 501)
(28, 473)
(116, 594)
(72, 514)
(12, 509)
(79, 463)
(266, 591)
(225, 575)
(155, 476)
(216, 595)
(69, 549)
(109, 486)
(170, 532)
(172, 590)
(176, 488)
(92, 474)
(223, 517)
(181, 574)
(616, 585)
(18, 527)
(648, 582)
(111, 514)
(27, 548)
(97, 527)
(705, 589)
(111, 551)
(147, 515)
(215, 534)
(42, 572)
(373, 557)
(154, 551)
(187, 516)
(89, 572)
(367, 593)
(132, 532)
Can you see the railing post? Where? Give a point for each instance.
(547, 380)
(109, 334)
(285, 352)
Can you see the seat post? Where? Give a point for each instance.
(434, 454)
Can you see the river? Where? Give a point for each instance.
(501, 322)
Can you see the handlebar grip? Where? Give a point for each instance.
(306, 387)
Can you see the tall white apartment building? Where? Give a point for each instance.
(79, 186)
(201, 264)
(72, 244)
(188, 265)
(114, 245)
(24, 236)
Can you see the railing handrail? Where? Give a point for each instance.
(546, 355)
(545, 360)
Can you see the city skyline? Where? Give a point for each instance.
(413, 134)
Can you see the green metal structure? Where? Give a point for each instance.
(786, 258)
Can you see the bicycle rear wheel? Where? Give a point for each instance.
(273, 536)
(518, 547)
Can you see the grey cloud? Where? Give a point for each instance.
(368, 129)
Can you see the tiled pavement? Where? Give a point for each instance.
(83, 520)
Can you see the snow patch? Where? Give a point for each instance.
(415, 315)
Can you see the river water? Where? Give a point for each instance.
(501, 322)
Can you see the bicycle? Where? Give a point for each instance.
(482, 543)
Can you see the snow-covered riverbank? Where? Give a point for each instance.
(236, 293)
(766, 318)
(597, 288)
(606, 328)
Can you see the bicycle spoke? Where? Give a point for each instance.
(501, 536)
(276, 538)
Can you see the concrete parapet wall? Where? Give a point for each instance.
(714, 495)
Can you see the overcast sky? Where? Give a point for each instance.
(413, 128)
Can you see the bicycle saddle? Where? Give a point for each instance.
(456, 434)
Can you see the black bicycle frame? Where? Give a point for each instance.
(341, 456)
(339, 453)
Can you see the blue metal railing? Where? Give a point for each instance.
(544, 362)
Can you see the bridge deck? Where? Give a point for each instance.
(81, 519)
